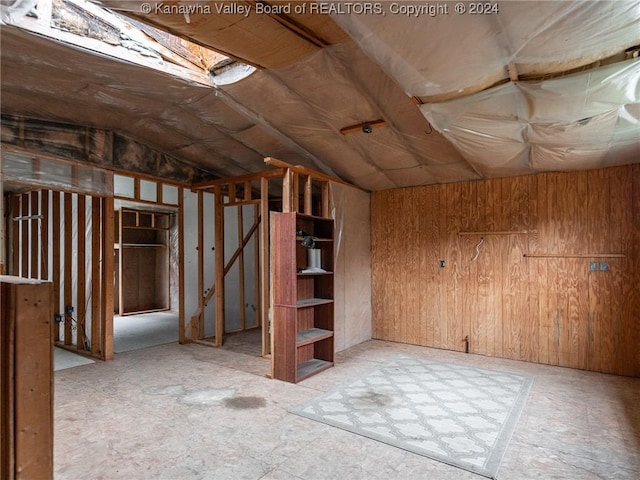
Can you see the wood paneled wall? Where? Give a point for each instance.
(530, 293)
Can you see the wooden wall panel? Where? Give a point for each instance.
(530, 293)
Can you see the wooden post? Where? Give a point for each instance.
(107, 278)
(35, 237)
(95, 274)
(81, 308)
(120, 265)
(182, 338)
(264, 265)
(219, 256)
(68, 254)
(326, 213)
(308, 206)
(26, 358)
(198, 331)
(55, 221)
(241, 297)
(44, 235)
(256, 268)
(24, 241)
(15, 213)
(287, 191)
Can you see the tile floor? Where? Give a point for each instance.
(193, 412)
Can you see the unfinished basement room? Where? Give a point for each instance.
(319, 240)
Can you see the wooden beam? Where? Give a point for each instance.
(68, 253)
(241, 246)
(264, 266)
(107, 278)
(198, 327)
(35, 236)
(219, 256)
(95, 274)
(326, 211)
(44, 235)
(81, 308)
(209, 184)
(182, 337)
(287, 191)
(308, 195)
(55, 221)
(363, 127)
(256, 269)
(24, 240)
(274, 162)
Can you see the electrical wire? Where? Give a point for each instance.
(478, 248)
(75, 325)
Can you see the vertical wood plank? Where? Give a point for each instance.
(308, 206)
(44, 235)
(57, 232)
(326, 213)
(96, 277)
(16, 231)
(241, 296)
(108, 227)
(287, 191)
(198, 328)
(219, 257)
(182, 336)
(25, 237)
(68, 264)
(35, 234)
(257, 319)
(81, 308)
(264, 267)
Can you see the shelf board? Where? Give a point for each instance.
(312, 302)
(312, 335)
(313, 217)
(311, 367)
(312, 274)
(315, 239)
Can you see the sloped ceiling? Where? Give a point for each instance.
(463, 97)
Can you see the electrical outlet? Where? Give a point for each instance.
(593, 267)
(57, 318)
(604, 266)
(442, 264)
(68, 309)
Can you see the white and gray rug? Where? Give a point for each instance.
(457, 414)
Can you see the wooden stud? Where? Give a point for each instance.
(219, 258)
(199, 327)
(120, 266)
(247, 191)
(241, 296)
(68, 264)
(308, 205)
(96, 278)
(232, 193)
(256, 268)
(325, 197)
(44, 235)
(107, 278)
(16, 228)
(35, 234)
(264, 267)
(296, 192)
(55, 221)
(287, 191)
(182, 336)
(24, 240)
(81, 308)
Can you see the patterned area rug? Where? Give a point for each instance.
(457, 414)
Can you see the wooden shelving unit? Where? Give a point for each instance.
(142, 260)
(303, 301)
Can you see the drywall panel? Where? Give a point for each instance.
(539, 268)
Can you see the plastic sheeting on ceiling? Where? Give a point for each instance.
(316, 82)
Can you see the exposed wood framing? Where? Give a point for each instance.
(243, 320)
(198, 333)
(219, 258)
(35, 234)
(96, 251)
(107, 278)
(182, 336)
(56, 260)
(264, 265)
(68, 252)
(24, 270)
(81, 307)
(44, 235)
